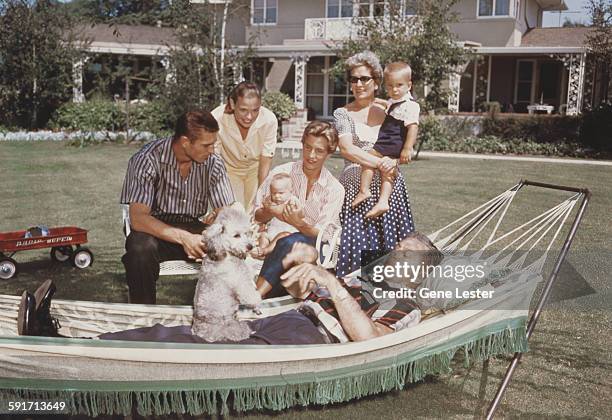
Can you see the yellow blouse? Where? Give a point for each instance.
(260, 141)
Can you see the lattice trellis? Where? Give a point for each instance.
(575, 64)
(77, 79)
(482, 81)
(169, 68)
(299, 61)
(589, 83)
(454, 86)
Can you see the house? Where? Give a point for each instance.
(517, 63)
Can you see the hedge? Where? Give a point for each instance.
(99, 115)
(516, 136)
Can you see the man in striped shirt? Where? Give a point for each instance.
(169, 184)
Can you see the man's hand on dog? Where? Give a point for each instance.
(193, 245)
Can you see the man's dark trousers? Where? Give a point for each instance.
(143, 255)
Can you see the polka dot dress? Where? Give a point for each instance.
(359, 233)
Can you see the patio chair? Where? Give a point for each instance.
(166, 268)
(327, 244)
(290, 149)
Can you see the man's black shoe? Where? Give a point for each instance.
(46, 325)
(26, 316)
(44, 294)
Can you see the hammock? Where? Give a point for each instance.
(96, 377)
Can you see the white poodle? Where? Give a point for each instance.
(225, 280)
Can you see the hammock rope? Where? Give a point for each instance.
(501, 196)
(528, 235)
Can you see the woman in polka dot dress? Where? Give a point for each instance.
(358, 124)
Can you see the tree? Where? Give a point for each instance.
(36, 56)
(424, 40)
(568, 23)
(599, 40)
(200, 72)
(130, 12)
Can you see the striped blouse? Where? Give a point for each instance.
(324, 203)
(153, 179)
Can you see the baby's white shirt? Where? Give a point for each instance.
(276, 226)
(408, 112)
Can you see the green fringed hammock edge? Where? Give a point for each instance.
(276, 393)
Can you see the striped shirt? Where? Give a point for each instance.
(396, 314)
(153, 179)
(324, 203)
(390, 312)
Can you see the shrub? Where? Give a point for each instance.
(596, 128)
(280, 104)
(87, 116)
(446, 135)
(495, 145)
(102, 115)
(542, 129)
(430, 130)
(150, 116)
(492, 108)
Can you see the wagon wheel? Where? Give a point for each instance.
(8, 268)
(61, 253)
(82, 257)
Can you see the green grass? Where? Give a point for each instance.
(566, 373)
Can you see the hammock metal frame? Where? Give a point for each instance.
(585, 195)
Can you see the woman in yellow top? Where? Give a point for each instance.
(246, 140)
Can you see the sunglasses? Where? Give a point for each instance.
(363, 79)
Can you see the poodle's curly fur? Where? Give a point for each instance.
(225, 280)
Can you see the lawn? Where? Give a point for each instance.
(566, 372)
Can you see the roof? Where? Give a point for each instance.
(555, 37)
(550, 5)
(126, 34)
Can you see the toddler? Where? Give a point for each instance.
(280, 195)
(397, 134)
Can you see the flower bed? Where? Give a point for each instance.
(87, 136)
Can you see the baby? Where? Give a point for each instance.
(280, 195)
(397, 134)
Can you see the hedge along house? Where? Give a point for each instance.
(516, 63)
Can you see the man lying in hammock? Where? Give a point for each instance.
(333, 310)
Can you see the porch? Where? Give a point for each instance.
(563, 82)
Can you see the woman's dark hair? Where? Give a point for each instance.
(242, 90)
(191, 122)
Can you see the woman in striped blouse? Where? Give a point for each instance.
(320, 198)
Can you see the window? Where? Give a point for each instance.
(493, 8)
(339, 8)
(523, 91)
(370, 8)
(325, 91)
(410, 7)
(264, 12)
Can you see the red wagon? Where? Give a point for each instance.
(60, 239)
